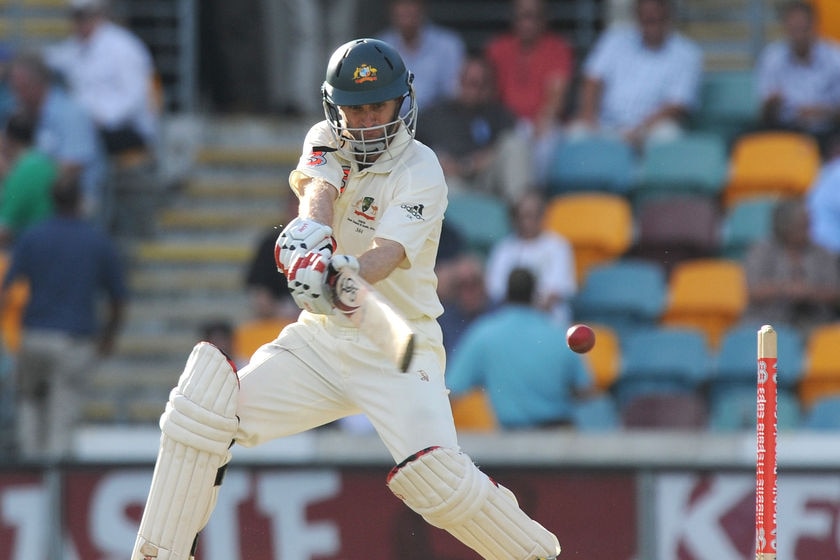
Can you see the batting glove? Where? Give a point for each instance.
(301, 236)
(308, 277)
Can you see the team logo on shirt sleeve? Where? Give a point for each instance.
(414, 211)
(317, 158)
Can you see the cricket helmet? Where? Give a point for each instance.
(368, 71)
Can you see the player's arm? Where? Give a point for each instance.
(380, 260)
(317, 198)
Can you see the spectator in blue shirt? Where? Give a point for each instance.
(520, 357)
(823, 200)
(64, 131)
(69, 265)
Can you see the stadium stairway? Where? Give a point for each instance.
(189, 268)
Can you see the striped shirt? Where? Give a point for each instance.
(638, 81)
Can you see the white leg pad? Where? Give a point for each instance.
(197, 430)
(450, 492)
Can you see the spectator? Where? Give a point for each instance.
(799, 76)
(639, 82)
(110, 72)
(28, 178)
(546, 254)
(518, 356)
(433, 53)
(220, 333)
(474, 137)
(69, 264)
(533, 66)
(790, 279)
(824, 200)
(464, 298)
(313, 29)
(63, 130)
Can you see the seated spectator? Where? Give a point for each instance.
(799, 76)
(63, 129)
(640, 82)
(518, 356)
(791, 280)
(546, 254)
(474, 137)
(533, 66)
(464, 298)
(109, 71)
(824, 200)
(433, 53)
(28, 179)
(65, 259)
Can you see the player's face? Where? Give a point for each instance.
(372, 115)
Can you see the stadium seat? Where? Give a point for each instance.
(250, 335)
(481, 218)
(824, 414)
(473, 412)
(604, 359)
(666, 411)
(771, 163)
(676, 228)
(732, 383)
(12, 315)
(625, 295)
(745, 223)
(592, 164)
(821, 374)
(599, 226)
(661, 360)
(696, 163)
(728, 103)
(708, 294)
(597, 414)
(828, 12)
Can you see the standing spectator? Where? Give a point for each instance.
(824, 200)
(791, 280)
(799, 76)
(474, 137)
(313, 29)
(63, 129)
(640, 82)
(109, 71)
(28, 178)
(546, 254)
(69, 264)
(434, 54)
(533, 66)
(518, 355)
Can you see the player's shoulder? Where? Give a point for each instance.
(320, 134)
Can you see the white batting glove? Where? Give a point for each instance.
(301, 236)
(308, 285)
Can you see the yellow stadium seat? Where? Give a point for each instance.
(771, 164)
(707, 294)
(473, 412)
(249, 336)
(828, 16)
(821, 374)
(12, 315)
(604, 360)
(598, 225)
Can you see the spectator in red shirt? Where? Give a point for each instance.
(533, 66)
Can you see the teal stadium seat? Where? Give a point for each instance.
(592, 164)
(728, 103)
(661, 361)
(481, 218)
(824, 415)
(732, 382)
(696, 163)
(743, 224)
(625, 295)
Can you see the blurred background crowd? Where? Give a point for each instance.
(667, 171)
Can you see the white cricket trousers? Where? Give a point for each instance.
(316, 372)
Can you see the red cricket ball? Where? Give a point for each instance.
(580, 338)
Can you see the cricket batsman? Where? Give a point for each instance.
(372, 201)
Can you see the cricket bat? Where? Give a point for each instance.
(375, 317)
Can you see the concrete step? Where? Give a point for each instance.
(216, 186)
(195, 252)
(215, 217)
(185, 278)
(248, 156)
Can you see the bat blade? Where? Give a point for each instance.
(375, 318)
